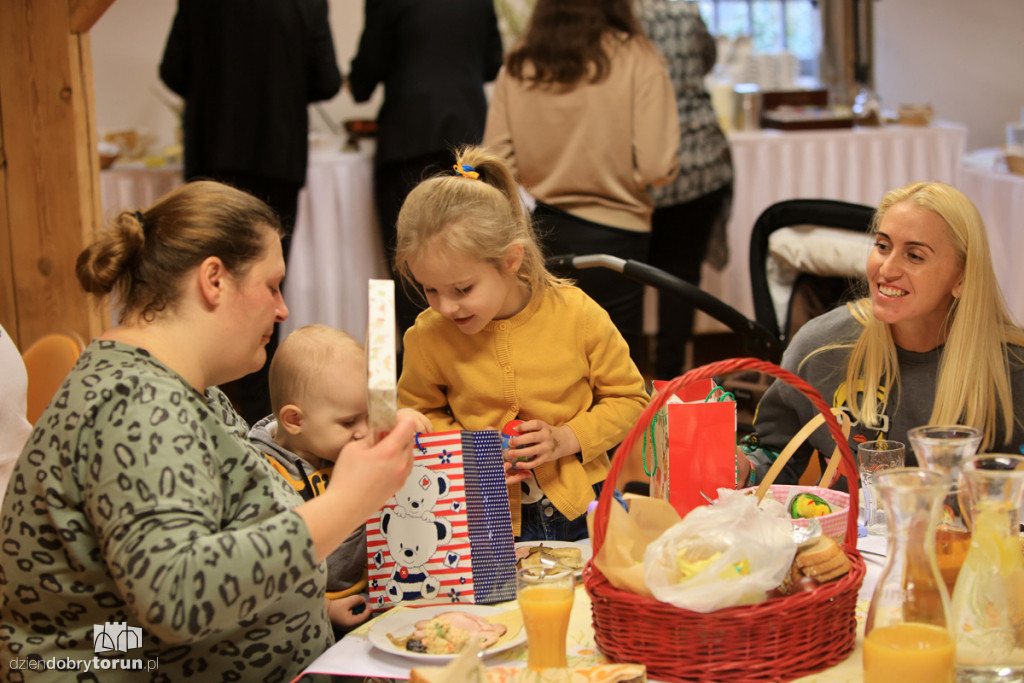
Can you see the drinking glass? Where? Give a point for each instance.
(545, 597)
(944, 448)
(872, 458)
(1015, 138)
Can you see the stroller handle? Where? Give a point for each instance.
(757, 339)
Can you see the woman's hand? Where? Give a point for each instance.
(365, 478)
(372, 474)
(341, 614)
(537, 443)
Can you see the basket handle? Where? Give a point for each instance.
(805, 432)
(846, 465)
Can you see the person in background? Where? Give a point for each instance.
(932, 343)
(697, 203)
(433, 59)
(14, 427)
(504, 339)
(585, 114)
(247, 70)
(139, 507)
(318, 393)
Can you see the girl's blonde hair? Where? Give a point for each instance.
(973, 386)
(477, 217)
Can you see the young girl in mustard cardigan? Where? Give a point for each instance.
(504, 339)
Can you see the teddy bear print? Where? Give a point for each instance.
(422, 490)
(412, 540)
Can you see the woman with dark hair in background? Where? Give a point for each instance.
(585, 114)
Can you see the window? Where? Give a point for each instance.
(773, 26)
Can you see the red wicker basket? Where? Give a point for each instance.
(776, 640)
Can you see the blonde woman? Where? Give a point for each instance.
(931, 343)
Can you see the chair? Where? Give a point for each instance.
(47, 362)
(820, 278)
(825, 284)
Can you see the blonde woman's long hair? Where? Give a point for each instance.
(973, 386)
(477, 217)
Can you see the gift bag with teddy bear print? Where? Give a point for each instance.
(446, 536)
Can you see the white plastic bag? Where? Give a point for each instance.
(721, 555)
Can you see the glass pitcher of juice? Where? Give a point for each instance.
(988, 602)
(907, 635)
(945, 448)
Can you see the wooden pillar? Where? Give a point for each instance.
(837, 50)
(49, 166)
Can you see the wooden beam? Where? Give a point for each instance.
(8, 310)
(85, 13)
(52, 166)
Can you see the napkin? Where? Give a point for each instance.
(621, 557)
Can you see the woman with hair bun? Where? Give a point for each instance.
(931, 343)
(138, 508)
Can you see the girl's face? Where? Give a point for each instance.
(470, 292)
(914, 273)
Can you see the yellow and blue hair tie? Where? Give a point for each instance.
(466, 171)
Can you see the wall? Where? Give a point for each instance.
(962, 57)
(965, 58)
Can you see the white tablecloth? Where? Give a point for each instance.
(135, 187)
(999, 196)
(336, 246)
(855, 165)
(354, 655)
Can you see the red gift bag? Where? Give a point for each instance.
(693, 445)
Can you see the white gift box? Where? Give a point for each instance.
(382, 400)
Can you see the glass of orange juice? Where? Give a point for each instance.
(545, 598)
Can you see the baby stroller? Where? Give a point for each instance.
(756, 339)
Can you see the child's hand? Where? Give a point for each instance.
(513, 475)
(340, 611)
(538, 443)
(422, 423)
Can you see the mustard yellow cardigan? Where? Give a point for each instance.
(560, 360)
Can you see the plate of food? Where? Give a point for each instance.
(438, 633)
(565, 553)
